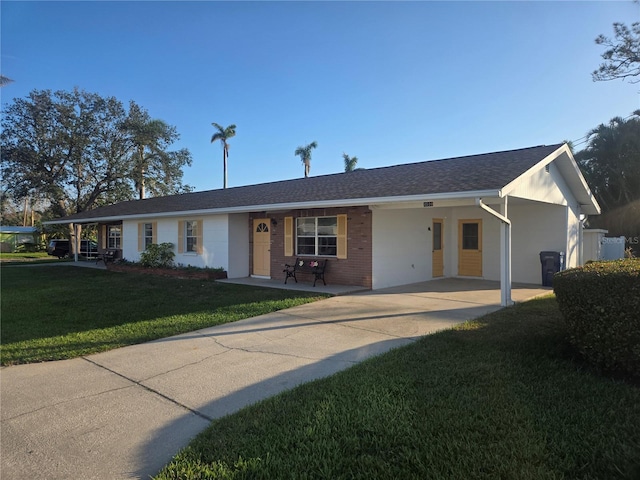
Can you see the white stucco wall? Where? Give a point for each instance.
(402, 244)
(535, 228)
(543, 186)
(551, 223)
(238, 246)
(572, 258)
(129, 241)
(215, 236)
(215, 244)
(401, 247)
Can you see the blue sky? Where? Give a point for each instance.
(388, 82)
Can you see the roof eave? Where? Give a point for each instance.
(286, 206)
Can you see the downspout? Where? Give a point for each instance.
(505, 247)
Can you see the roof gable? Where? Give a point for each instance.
(570, 181)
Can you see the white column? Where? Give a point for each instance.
(505, 250)
(505, 257)
(76, 240)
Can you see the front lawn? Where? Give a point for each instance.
(57, 312)
(26, 257)
(497, 398)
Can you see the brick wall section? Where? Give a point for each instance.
(353, 270)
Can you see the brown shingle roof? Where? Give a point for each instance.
(490, 171)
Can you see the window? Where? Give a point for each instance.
(317, 236)
(147, 235)
(114, 237)
(470, 236)
(147, 231)
(191, 237)
(437, 235)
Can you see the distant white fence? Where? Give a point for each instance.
(595, 246)
(592, 244)
(613, 248)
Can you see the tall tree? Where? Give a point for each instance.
(224, 134)
(611, 161)
(349, 162)
(149, 140)
(73, 150)
(305, 156)
(622, 57)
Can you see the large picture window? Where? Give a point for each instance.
(317, 236)
(114, 237)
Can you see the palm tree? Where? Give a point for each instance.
(349, 162)
(4, 80)
(224, 134)
(305, 156)
(148, 137)
(609, 161)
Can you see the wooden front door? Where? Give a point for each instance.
(437, 257)
(262, 247)
(470, 248)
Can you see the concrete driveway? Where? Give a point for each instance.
(125, 413)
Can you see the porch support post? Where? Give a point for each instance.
(505, 251)
(505, 260)
(76, 241)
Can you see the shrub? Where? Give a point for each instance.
(600, 303)
(156, 256)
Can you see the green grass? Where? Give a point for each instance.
(27, 257)
(497, 398)
(51, 313)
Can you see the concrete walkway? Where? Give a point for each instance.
(125, 413)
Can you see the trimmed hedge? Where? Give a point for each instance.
(600, 303)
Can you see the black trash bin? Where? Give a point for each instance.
(552, 263)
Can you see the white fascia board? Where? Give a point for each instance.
(590, 205)
(288, 206)
(83, 221)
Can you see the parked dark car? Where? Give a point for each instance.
(59, 247)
